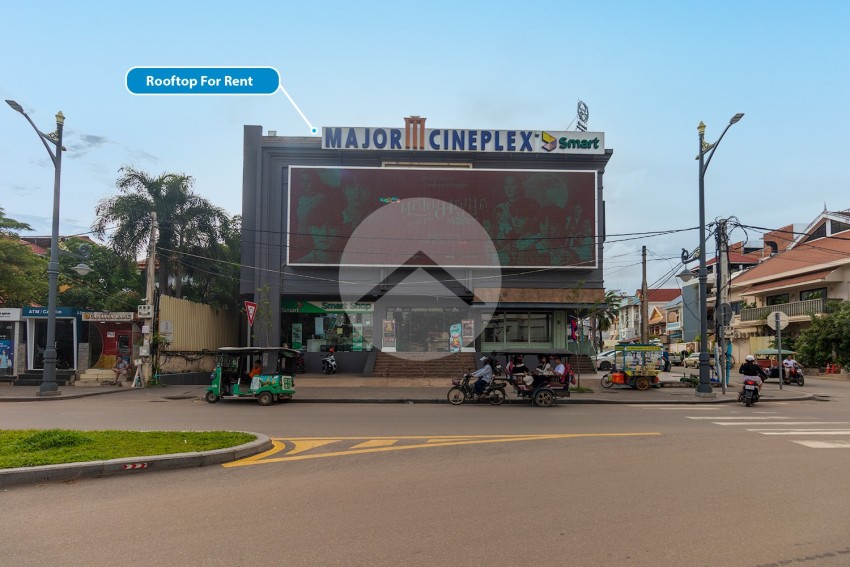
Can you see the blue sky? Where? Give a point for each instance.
(649, 72)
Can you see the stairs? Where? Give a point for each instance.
(423, 364)
(34, 378)
(582, 363)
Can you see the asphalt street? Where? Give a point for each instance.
(433, 484)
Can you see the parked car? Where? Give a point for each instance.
(693, 360)
(604, 360)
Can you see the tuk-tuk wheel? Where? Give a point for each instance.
(265, 398)
(642, 383)
(211, 398)
(544, 398)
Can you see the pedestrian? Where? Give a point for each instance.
(120, 367)
(665, 357)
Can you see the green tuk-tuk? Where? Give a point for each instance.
(273, 381)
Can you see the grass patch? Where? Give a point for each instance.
(30, 448)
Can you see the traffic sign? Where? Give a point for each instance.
(145, 311)
(251, 310)
(777, 319)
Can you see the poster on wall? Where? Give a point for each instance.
(454, 337)
(296, 336)
(536, 218)
(356, 337)
(468, 333)
(7, 357)
(388, 327)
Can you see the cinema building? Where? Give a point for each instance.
(412, 241)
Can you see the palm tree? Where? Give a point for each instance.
(608, 313)
(184, 218)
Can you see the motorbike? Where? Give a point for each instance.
(794, 375)
(329, 363)
(462, 391)
(750, 395)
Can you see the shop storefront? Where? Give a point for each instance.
(111, 335)
(316, 326)
(10, 319)
(69, 334)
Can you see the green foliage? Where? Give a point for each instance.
(11, 227)
(27, 448)
(187, 222)
(54, 439)
(23, 274)
(114, 284)
(827, 339)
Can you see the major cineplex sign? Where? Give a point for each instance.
(414, 136)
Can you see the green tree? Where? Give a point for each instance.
(212, 273)
(23, 279)
(827, 339)
(185, 219)
(114, 284)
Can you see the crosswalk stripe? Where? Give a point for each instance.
(825, 444)
(805, 432)
(742, 418)
(780, 422)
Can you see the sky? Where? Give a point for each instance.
(648, 71)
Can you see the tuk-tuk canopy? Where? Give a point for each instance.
(773, 352)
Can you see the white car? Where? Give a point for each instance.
(604, 360)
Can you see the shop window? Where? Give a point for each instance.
(529, 328)
(819, 293)
(320, 331)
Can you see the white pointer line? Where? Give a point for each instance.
(780, 423)
(313, 130)
(723, 417)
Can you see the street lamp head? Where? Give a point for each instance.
(686, 275)
(81, 269)
(701, 128)
(60, 118)
(15, 106)
(736, 118)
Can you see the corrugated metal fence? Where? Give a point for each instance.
(193, 328)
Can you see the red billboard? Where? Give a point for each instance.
(458, 217)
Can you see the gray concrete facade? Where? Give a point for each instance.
(267, 279)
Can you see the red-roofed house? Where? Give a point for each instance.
(798, 280)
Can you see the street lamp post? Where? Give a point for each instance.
(48, 383)
(704, 387)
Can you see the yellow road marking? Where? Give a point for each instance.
(302, 445)
(384, 444)
(376, 443)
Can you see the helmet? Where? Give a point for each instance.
(483, 359)
(750, 358)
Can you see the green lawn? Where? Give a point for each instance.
(30, 448)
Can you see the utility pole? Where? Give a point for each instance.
(644, 304)
(150, 300)
(725, 311)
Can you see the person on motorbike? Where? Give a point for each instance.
(791, 366)
(752, 370)
(484, 375)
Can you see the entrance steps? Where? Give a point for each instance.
(423, 364)
(94, 377)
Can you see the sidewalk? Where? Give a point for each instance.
(351, 388)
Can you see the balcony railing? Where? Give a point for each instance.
(794, 309)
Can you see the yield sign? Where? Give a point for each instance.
(251, 310)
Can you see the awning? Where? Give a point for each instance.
(812, 277)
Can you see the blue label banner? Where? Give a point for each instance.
(203, 80)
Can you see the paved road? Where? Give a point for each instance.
(433, 485)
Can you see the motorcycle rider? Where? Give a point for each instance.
(484, 375)
(752, 370)
(791, 367)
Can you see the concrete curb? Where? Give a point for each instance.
(132, 465)
(63, 396)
